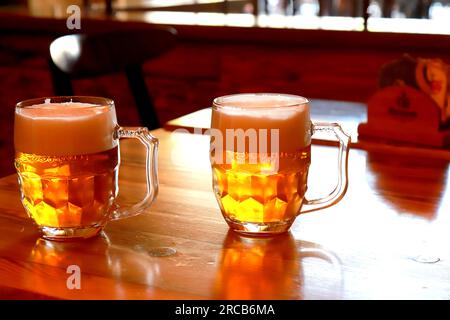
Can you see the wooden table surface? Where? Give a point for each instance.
(388, 238)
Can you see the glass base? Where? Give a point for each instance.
(67, 234)
(259, 228)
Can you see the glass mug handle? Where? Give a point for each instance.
(342, 184)
(151, 169)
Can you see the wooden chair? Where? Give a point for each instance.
(88, 55)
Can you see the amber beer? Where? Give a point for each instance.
(249, 194)
(67, 163)
(265, 195)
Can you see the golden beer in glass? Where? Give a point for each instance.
(67, 160)
(260, 168)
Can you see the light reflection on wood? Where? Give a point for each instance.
(396, 210)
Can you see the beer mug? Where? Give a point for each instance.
(67, 160)
(260, 156)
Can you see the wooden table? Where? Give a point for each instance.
(388, 237)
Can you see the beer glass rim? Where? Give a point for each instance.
(227, 101)
(96, 101)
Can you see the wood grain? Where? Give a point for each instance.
(396, 213)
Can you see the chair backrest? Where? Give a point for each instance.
(88, 55)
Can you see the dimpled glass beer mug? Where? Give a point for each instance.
(67, 160)
(260, 156)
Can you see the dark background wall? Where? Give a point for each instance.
(208, 62)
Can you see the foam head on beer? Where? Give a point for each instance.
(69, 128)
(289, 114)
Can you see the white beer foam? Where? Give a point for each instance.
(69, 128)
(289, 114)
